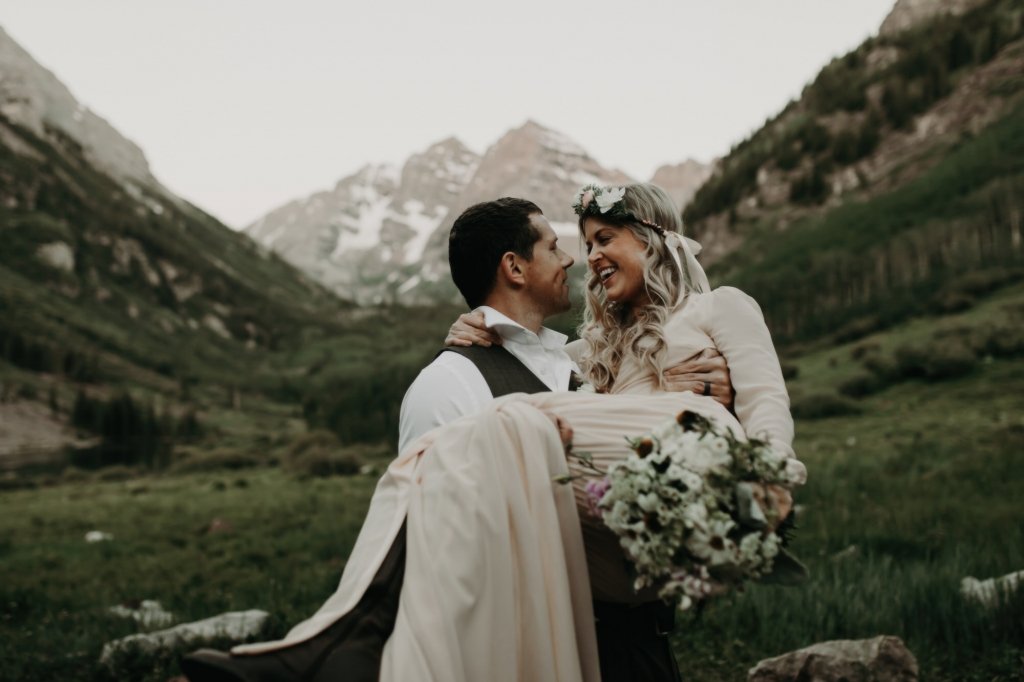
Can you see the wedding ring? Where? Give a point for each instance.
(707, 388)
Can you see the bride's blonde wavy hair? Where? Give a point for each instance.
(614, 331)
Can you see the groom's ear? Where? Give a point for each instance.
(511, 268)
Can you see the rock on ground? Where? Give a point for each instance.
(990, 592)
(236, 625)
(881, 659)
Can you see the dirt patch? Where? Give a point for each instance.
(31, 434)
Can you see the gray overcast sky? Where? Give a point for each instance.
(241, 105)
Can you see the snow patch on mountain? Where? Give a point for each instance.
(362, 230)
(423, 224)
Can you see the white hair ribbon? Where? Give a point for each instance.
(692, 273)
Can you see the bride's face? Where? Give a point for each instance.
(618, 259)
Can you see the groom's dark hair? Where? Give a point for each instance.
(481, 236)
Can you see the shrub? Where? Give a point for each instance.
(321, 463)
(1003, 342)
(788, 157)
(868, 137)
(813, 137)
(318, 439)
(845, 148)
(858, 327)
(862, 350)
(810, 188)
(980, 282)
(320, 454)
(935, 361)
(10, 480)
(74, 475)
(789, 371)
(117, 472)
(896, 104)
(822, 405)
(862, 384)
(193, 460)
(882, 366)
(946, 302)
(131, 433)
(950, 361)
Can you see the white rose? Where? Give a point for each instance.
(718, 446)
(619, 515)
(695, 516)
(675, 472)
(648, 502)
(692, 481)
(750, 548)
(770, 546)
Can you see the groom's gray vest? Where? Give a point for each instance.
(504, 372)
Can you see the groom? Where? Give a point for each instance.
(507, 264)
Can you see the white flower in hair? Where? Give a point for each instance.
(611, 196)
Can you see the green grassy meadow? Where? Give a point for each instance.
(919, 490)
(920, 486)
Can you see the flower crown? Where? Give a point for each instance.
(600, 201)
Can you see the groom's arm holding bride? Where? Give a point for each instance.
(706, 372)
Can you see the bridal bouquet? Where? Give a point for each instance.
(687, 508)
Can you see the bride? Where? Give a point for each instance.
(501, 568)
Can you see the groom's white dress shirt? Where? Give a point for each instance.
(451, 386)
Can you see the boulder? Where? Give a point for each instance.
(881, 659)
(234, 625)
(57, 255)
(990, 592)
(149, 614)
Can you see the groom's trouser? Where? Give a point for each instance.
(633, 642)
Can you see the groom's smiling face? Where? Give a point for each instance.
(547, 277)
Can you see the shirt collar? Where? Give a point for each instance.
(510, 330)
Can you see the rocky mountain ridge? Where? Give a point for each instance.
(356, 236)
(32, 96)
(381, 234)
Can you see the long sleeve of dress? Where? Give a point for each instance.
(737, 327)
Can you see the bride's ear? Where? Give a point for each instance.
(511, 269)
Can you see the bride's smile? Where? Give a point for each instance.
(618, 259)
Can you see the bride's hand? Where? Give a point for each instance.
(707, 366)
(564, 430)
(470, 330)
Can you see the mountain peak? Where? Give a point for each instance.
(450, 142)
(682, 180)
(532, 133)
(34, 97)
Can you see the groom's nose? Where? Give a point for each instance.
(567, 261)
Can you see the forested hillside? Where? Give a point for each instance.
(894, 186)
